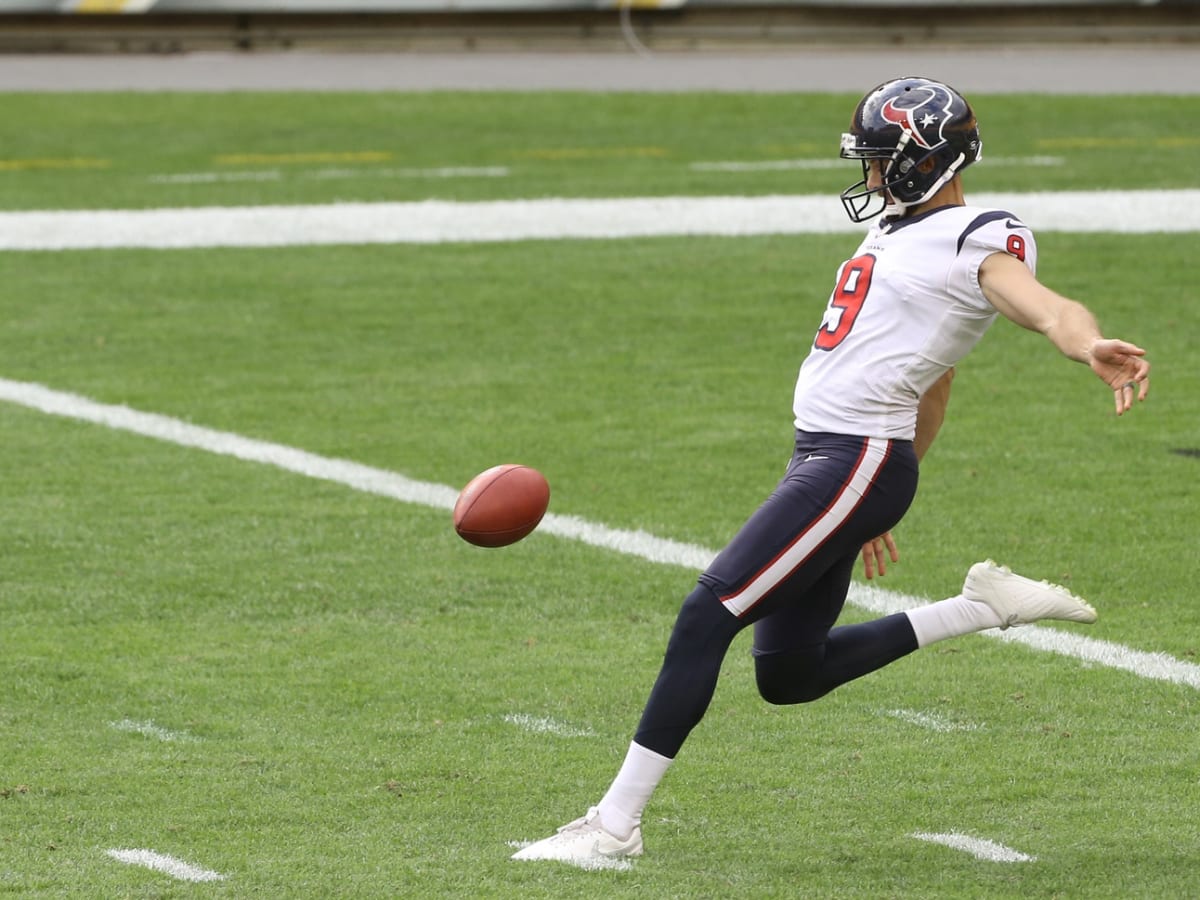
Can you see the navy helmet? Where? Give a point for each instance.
(904, 123)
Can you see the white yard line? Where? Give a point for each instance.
(436, 221)
(980, 848)
(931, 721)
(546, 725)
(149, 729)
(591, 864)
(1156, 666)
(160, 862)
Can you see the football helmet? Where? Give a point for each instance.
(905, 123)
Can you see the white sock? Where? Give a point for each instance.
(950, 618)
(621, 808)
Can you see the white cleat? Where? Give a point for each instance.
(583, 842)
(1018, 600)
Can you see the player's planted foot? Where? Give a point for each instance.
(583, 840)
(1018, 600)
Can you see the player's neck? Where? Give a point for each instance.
(950, 194)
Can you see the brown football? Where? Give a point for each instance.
(502, 505)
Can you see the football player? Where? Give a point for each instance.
(927, 281)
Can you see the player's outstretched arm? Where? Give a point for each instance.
(1012, 289)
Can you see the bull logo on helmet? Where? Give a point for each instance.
(924, 107)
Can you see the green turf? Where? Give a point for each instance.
(114, 150)
(341, 676)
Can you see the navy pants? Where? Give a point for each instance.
(787, 572)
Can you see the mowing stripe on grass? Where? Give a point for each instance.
(436, 221)
(160, 862)
(980, 848)
(1157, 666)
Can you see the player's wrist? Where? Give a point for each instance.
(1089, 350)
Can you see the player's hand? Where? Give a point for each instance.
(875, 554)
(1122, 367)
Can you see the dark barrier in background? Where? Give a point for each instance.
(168, 26)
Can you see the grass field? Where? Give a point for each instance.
(305, 690)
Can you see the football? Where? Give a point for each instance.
(502, 505)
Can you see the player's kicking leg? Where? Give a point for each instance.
(992, 597)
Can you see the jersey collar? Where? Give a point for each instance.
(892, 224)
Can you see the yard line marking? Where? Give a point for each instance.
(437, 221)
(1155, 666)
(931, 721)
(149, 729)
(545, 725)
(215, 177)
(160, 862)
(173, 431)
(766, 165)
(439, 172)
(613, 863)
(304, 158)
(980, 848)
(77, 162)
(329, 174)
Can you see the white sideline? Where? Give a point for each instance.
(436, 221)
(160, 862)
(1156, 666)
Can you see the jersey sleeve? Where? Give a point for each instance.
(993, 231)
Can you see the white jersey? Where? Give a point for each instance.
(905, 308)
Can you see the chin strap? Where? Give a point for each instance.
(896, 208)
